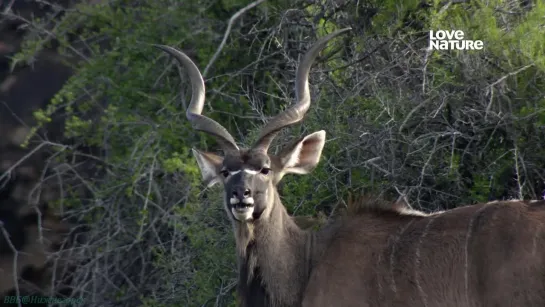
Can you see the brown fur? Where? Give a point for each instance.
(483, 255)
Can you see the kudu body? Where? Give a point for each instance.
(482, 255)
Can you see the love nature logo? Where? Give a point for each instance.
(452, 40)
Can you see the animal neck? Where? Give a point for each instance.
(274, 258)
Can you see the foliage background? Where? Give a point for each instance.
(450, 128)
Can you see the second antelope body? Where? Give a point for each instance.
(483, 255)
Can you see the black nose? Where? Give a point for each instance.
(242, 192)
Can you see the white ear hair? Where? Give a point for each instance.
(305, 155)
(209, 165)
(293, 159)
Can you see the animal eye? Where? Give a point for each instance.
(225, 173)
(265, 171)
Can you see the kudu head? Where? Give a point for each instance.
(250, 175)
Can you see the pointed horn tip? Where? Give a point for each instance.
(167, 49)
(162, 47)
(338, 32)
(320, 44)
(173, 52)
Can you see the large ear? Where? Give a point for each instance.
(210, 165)
(303, 156)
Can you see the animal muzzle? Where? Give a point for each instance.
(242, 209)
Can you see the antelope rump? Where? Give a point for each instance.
(482, 255)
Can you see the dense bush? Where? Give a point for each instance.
(449, 127)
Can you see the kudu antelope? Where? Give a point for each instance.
(483, 255)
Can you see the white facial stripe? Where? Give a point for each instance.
(247, 171)
(234, 200)
(248, 201)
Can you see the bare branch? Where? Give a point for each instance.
(228, 31)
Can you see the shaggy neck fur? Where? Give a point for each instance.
(274, 258)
